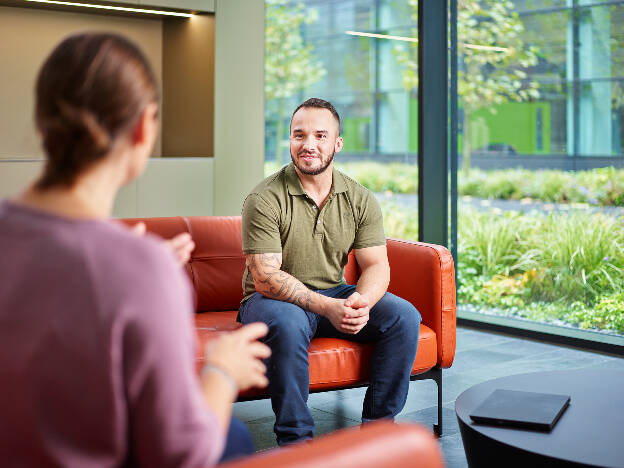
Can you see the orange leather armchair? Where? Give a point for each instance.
(420, 273)
(375, 445)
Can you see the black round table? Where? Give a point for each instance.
(589, 433)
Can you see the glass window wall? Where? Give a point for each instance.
(541, 179)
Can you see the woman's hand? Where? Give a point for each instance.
(181, 245)
(239, 354)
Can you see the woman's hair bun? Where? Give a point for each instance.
(85, 122)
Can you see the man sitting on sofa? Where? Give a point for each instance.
(299, 226)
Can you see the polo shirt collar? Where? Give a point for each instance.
(338, 182)
(294, 184)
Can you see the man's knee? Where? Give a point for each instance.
(401, 312)
(409, 315)
(288, 323)
(292, 325)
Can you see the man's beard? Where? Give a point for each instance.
(317, 171)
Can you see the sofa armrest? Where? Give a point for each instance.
(423, 274)
(376, 445)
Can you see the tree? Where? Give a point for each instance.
(289, 64)
(488, 75)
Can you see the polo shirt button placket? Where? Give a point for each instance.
(317, 228)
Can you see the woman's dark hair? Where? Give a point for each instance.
(90, 92)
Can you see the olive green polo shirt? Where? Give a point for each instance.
(279, 217)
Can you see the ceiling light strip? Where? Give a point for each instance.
(382, 36)
(116, 8)
(412, 39)
(484, 47)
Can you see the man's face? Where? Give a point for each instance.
(313, 140)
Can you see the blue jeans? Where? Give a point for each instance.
(393, 326)
(238, 442)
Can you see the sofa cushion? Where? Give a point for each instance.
(217, 263)
(334, 363)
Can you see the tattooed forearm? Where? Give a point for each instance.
(272, 282)
(303, 297)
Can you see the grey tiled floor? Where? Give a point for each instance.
(480, 356)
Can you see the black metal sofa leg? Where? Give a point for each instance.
(437, 376)
(434, 374)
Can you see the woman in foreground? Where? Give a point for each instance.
(96, 335)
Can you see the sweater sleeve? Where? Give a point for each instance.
(169, 423)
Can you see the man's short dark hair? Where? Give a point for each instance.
(321, 104)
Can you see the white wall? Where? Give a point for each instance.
(168, 187)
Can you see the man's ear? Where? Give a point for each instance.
(338, 145)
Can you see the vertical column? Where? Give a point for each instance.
(432, 122)
(454, 128)
(595, 96)
(239, 102)
(572, 76)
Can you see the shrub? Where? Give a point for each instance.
(603, 186)
(576, 256)
(569, 256)
(492, 244)
(400, 222)
(495, 186)
(595, 187)
(552, 186)
(501, 291)
(607, 314)
(395, 177)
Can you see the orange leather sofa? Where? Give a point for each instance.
(420, 273)
(376, 445)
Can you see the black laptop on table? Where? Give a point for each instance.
(527, 410)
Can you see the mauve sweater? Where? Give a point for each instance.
(96, 349)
